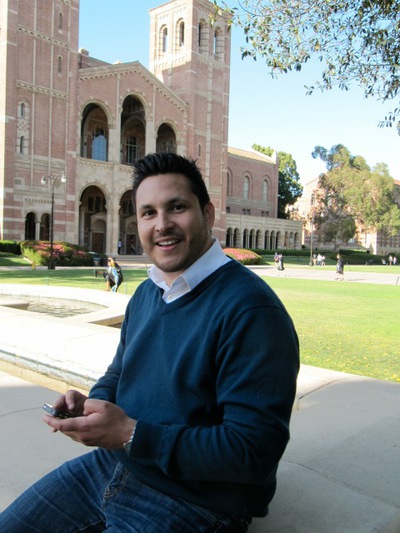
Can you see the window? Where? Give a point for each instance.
(202, 40)
(164, 40)
(181, 34)
(218, 45)
(265, 191)
(60, 21)
(21, 144)
(246, 186)
(99, 145)
(59, 64)
(22, 110)
(132, 149)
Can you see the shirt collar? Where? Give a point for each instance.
(208, 263)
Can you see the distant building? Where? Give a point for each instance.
(64, 111)
(376, 242)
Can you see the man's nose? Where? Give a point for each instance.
(164, 222)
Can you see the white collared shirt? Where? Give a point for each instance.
(208, 263)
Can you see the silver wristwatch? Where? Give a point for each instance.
(128, 444)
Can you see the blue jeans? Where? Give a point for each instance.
(96, 493)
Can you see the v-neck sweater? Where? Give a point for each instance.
(211, 379)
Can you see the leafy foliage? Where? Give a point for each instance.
(289, 189)
(355, 41)
(351, 195)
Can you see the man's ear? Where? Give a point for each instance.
(209, 214)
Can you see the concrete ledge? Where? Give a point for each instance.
(75, 350)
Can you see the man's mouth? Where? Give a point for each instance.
(170, 242)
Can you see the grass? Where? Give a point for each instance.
(82, 278)
(349, 327)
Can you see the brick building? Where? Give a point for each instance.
(72, 125)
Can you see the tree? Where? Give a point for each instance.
(289, 189)
(355, 41)
(352, 195)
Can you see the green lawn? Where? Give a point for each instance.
(350, 327)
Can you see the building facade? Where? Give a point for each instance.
(66, 114)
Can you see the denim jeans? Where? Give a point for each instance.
(96, 493)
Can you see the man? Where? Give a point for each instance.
(191, 417)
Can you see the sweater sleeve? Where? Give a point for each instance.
(106, 386)
(257, 364)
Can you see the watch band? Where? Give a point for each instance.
(128, 444)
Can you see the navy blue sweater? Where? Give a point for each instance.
(211, 379)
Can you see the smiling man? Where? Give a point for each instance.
(192, 416)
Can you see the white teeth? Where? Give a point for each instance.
(167, 243)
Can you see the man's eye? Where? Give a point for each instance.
(177, 207)
(147, 213)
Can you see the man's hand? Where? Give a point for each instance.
(101, 423)
(71, 403)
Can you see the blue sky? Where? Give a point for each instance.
(265, 111)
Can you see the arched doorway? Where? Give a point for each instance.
(93, 220)
(30, 226)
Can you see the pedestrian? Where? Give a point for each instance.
(119, 246)
(191, 417)
(113, 275)
(339, 268)
(280, 262)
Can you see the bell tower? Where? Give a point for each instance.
(192, 58)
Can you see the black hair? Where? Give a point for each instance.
(169, 163)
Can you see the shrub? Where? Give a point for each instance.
(246, 257)
(64, 253)
(10, 247)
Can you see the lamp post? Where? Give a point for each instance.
(312, 228)
(52, 180)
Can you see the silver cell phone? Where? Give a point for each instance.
(55, 412)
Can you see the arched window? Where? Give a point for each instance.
(21, 144)
(22, 110)
(60, 21)
(164, 40)
(265, 191)
(181, 34)
(202, 40)
(246, 187)
(59, 64)
(218, 45)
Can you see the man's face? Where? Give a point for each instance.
(173, 229)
